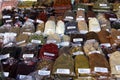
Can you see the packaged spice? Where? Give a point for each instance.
(54, 38)
(64, 66)
(49, 51)
(49, 27)
(116, 24)
(82, 63)
(15, 30)
(114, 39)
(99, 65)
(105, 23)
(69, 15)
(40, 27)
(71, 27)
(92, 35)
(37, 39)
(104, 36)
(77, 39)
(64, 49)
(91, 46)
(94, 25)
(22, 39)
(60, 28)
(80, 14)
(114, 64)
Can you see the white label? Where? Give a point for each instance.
(43, 72)
(63, 71)
(4, 17)
(8, 20)
(106, 44)
(28, 33)
(35, 41)
(109, 55)
(6, 74)
(83, 71)
(4, 56)
(103, 25)
(118, 37)
(16, 17)
(112, 19)
(39, 21)
(65, 43)
(80, 19)
(23, 76)
(77, 39)
(69, 17)
(78, 53)
(28, 55)
(92, 52)
(51, 41)
(101, 69)
(49, 54)
(103, 5)
(21, 42)
(71, 27)
(117, 67)
(81, 9)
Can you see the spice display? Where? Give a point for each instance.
(49, 27)
(92, 35)
(22, 39)
(105, 23)
(81, 62)
(37, 38)
(104, 36)
(71, 27)
(54, 38)
(115, 37)
(91, 45)
(114, 63)
(60, 28)
(98, 61)
(64, 62)
(49, 51)
(94, 25)
(77, 38)
(40, 27)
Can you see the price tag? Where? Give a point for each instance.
(78, 53)
(92, 52)
(71, 27)
(4, 17)
(49, 54)
(8, 20)
(6, 74)
(69, 17)
(39, 21)
(106, 44)
(118, 37)
(4, 56)
(43, 72)
(16, 17)
(103, 5)
(21, 42)
(51, 41)
(117, 67)
(23, 76)
(28, 55)
(81, 9)
(112, 19)
(80, 19)
(77, 39)
(83, 71)
(101, 69)
(35, 41)
(63, 71)
(65, 43)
